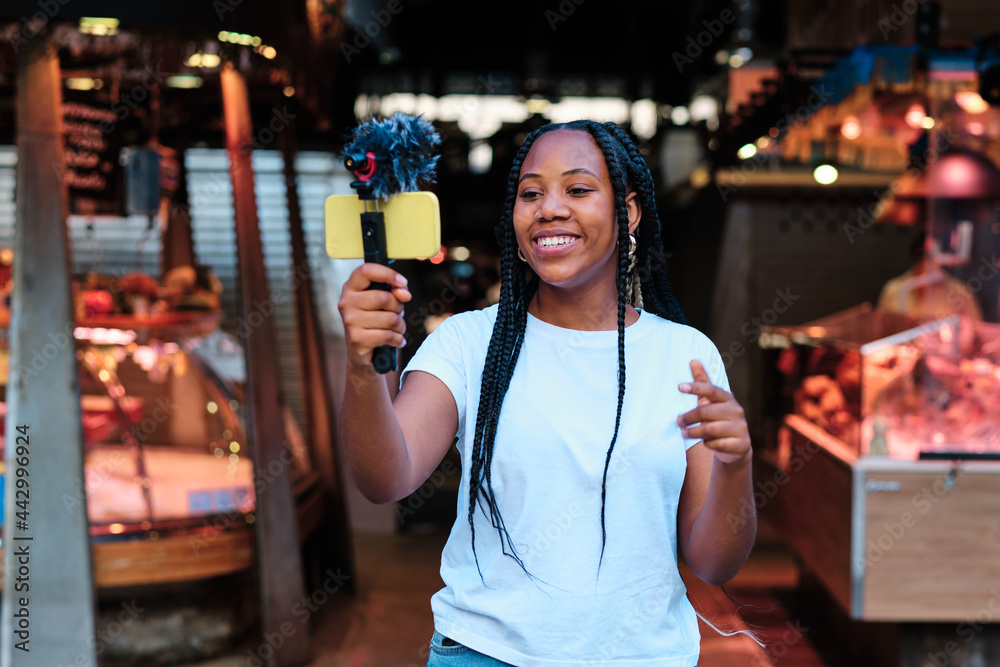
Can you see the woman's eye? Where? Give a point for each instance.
(528, 194)
(579, 191)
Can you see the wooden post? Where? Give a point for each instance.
(285, 640)
(320, 427)
(48, 597)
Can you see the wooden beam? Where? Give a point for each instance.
(279, 562)
(321, 427)
(48, 607)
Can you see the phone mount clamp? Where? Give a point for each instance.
(373, 239)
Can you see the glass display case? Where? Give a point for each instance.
(885, 384)
(164, 435)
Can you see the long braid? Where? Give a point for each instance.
(505, 343)
(650, 256)
(618, 178)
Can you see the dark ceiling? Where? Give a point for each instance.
(638, 49)
(633, 49)
(626, 44)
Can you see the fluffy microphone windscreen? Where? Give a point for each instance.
(403, 146)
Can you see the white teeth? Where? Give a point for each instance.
(552, 241)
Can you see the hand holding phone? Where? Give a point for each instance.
(372, 318)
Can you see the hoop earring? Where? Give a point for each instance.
(520, 255)
(632, 245)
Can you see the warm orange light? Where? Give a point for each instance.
(915, 116)
(438, 258)
(851, 128)
(116, 528)
(972, 102)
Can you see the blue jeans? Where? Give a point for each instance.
(447, 652)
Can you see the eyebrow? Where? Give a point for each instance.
(578, 170)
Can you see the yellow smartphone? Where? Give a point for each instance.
(412, 225)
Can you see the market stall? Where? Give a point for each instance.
(878, 371)
(166, 451)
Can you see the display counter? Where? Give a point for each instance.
(891, 539)
(168, 480)
(884, 471)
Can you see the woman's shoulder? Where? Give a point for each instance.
(470, 322)
(677, 331)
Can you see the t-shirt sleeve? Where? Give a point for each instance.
(443, 356)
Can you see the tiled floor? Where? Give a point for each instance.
(388, 623)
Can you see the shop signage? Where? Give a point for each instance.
(92, 172)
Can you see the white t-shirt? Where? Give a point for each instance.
(554, 430)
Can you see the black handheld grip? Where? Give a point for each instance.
(373, 238)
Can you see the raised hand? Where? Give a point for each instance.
(718, 420)
(372, 317)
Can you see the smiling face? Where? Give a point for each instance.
(564, 214)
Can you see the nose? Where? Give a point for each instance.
(552, 207)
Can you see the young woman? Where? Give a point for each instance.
(597, 435)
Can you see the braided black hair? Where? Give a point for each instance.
(628, 172)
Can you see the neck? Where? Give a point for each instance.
(585, 309)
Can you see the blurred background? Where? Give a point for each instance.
(827, 177)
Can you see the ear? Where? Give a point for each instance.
(634, 211)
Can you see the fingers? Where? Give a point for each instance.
(373, 317)
(712, 412)
(366, 274)
(717, 420)
(363, 341)
(698, 371)
(730, 450)
(714, 431)
(376, 300)
(706, 390)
